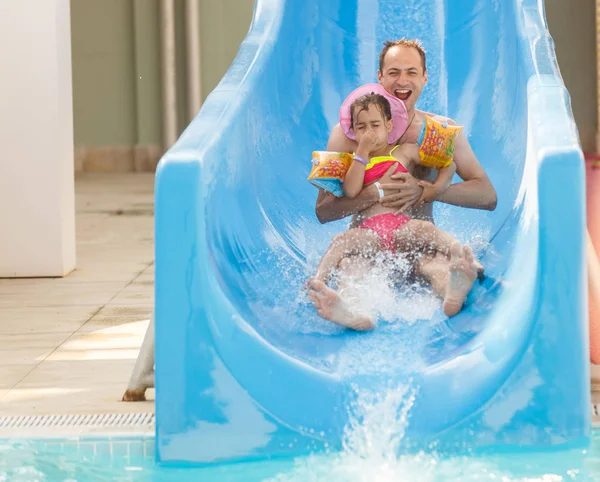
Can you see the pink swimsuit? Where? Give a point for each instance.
(383, 224)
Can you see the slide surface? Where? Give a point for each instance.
(244, 367)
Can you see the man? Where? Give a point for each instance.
(403, 73)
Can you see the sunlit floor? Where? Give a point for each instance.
(68, 345)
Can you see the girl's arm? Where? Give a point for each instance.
(431, 191)
(355, 177)
(354, 180)
(444, 178)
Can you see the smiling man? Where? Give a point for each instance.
(403, 73)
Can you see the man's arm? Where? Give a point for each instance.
(331, 208)
(476, 191)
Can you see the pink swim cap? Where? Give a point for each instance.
(399, 112)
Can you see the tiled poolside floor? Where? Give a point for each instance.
(68, 345)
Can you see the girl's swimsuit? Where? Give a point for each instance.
(379, 165)
(384, 224)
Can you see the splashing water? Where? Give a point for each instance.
(372, 446)
(388, 293)
(370, 442)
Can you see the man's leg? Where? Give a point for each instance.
(337, 306)
(451, 278)
(434, 268)
(423, 236)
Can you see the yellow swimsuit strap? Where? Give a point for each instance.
(379, 159)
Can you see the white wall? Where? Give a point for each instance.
(37, 219)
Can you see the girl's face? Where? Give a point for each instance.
(372, 119)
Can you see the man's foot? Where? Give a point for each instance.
(462, 276)
(331, 307)
(135, 395)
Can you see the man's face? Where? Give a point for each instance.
(403, 75)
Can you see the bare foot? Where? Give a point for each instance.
(461, 279)
(316, 277)
(331, 307)
(137, 395)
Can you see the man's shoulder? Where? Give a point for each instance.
(336, 131)
(408, 151)
(338, 142)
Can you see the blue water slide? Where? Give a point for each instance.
(244, 367)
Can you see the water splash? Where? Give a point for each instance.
(370, 443)
(372, 446)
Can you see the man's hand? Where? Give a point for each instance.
(430, 193)
(401, 191)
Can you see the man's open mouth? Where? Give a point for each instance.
(403, 94)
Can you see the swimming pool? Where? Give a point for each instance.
(132, 459)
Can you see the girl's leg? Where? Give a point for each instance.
(341, 306)
(353, 242)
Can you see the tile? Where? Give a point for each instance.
(117, 315)
(103, 448)
(146, 277)
(137, 450)
(10, 375)
(23, 356)
(36, 319)
(86, 450)
(8, 284)
(65, 374)
(33, 340)
(55, 290)
(105, 398)
(99, 271)
(95, 354)
(71, 295)
(121, 449)
(144, 281)
(119, 342)
(141, 252)
(72, 387)
(134, 294)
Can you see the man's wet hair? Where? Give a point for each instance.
(409, 43)
(363, 103)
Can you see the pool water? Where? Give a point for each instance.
(132, 459)
(371, 452)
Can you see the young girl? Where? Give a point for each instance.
(383, 228)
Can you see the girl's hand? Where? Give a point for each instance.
(367, 144)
